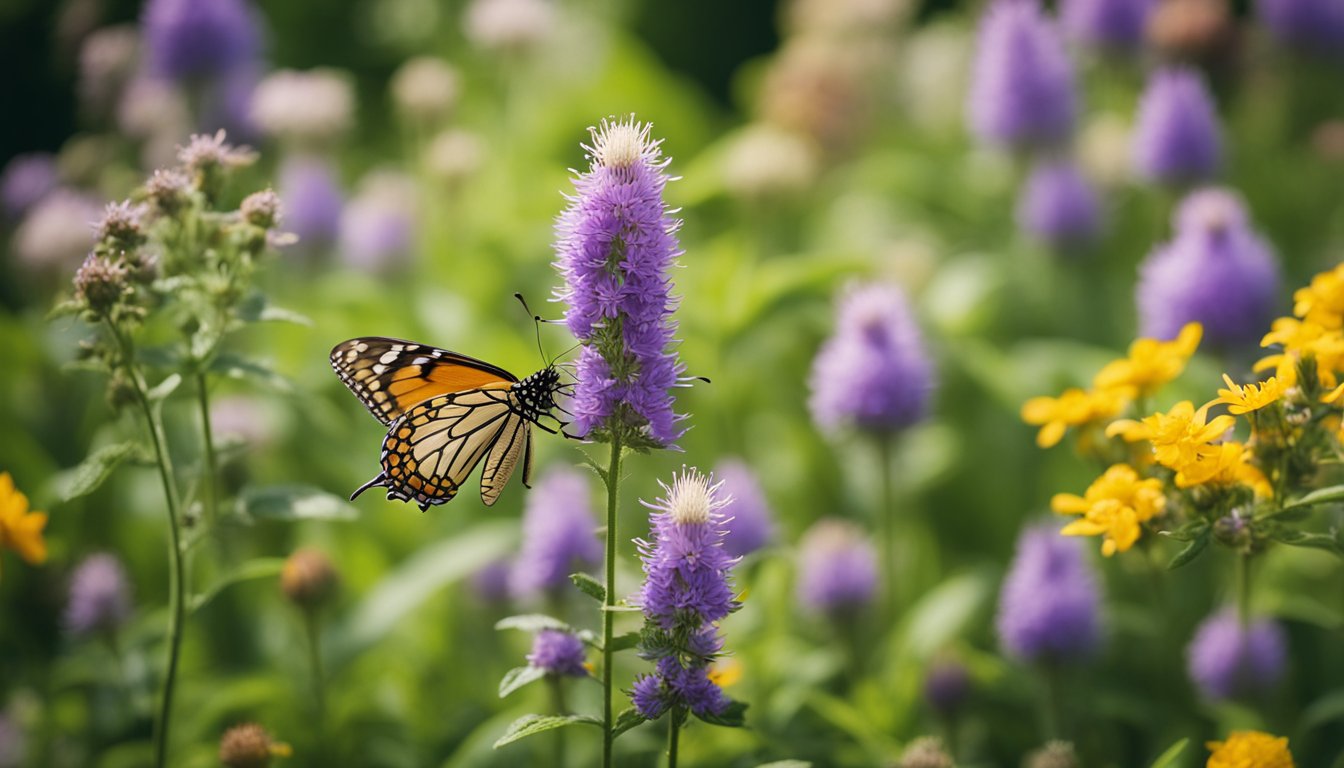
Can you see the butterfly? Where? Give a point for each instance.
(445, 413)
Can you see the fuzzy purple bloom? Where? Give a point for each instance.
(1059, 207)
(874, 372)
(192, 39)
(747, 521)
(558, 534)
(557, 652)
(649, 697)
(1312, 25)
(99, 596)
(1048, 608)
(1176, 139)
(313, 200)
(1107, 24)
(1022, 91)
(837, 568)
(947, 683)
(1216, 270)
(490, 584)
(615, 245)
(26, 180)
(1227, 662)
(378, 225)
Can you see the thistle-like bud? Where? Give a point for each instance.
(308, 578)
(101, 284)
(168, 190)
(262, 209)
(208, 158)
(1055, 754)
(122, 226)
(925, 752)
(249, 746)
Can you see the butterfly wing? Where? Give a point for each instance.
(514, 442)
(391, 376)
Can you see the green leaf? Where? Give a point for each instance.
(531, 725)
(92, 471)
(1168, 759)
(532, 622)
(260, 568)
(293, 502)
(1326, 709)
(626, 720)
(518, 677)
(281, 315)
(1190, 551)
(589, 586)
(165, 388)
(237, 367)
(1295, 538)
(735, 716)
(624, 642)
(1320, 496)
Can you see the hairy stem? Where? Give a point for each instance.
(609, 601)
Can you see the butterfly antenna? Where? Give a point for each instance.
(536, 324)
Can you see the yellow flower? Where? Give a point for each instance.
(1229, 463)
(1301, 339)
(725, 672)
(1179, 436)
(1151, 363)
(1073, 407)
(1249, 398)
(1322, 302)
(1115, 506)
(1250, 749)
(20, 530)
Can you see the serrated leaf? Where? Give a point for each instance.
(625, 642)
(237, 367)
(531, 725)
(164, 388)
(626, 720)
(1168, 759)
(518, 677)
(735, 716)
(260, 568)
(532, 622)
(589, 586)
(1190, 551)
(293, 502)
(92, 471)
(593, 465)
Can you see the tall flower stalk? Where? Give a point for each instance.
(616, 242)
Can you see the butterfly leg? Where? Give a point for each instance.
(380, 480)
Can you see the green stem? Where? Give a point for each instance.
(886, 525)
(311, 628)
(1244, 590)
(673, 736)
(609, 601)
(1053, 711)
(211, 459)
(176, 580)
(557, 685)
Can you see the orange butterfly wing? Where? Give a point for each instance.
(391, 376)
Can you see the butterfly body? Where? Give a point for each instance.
(445, 413)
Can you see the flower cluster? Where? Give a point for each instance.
(1049, 606)
(1243, 749)
(685, 594)
(615, 244)
(558, 534)
(559, 653)
(837, 570)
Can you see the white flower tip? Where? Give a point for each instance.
(621, 143)
(692, 497)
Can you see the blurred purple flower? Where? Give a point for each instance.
(947, 684)
(837, 568)
(1228, 662)
(1048, 608)
(312, 199)
(107, 61)
(12, 742)
(747, 521)
(58, 231)
(242, 418)
(378, 224)
(557, 652)
(1059, 207)
(615, 245)
(1216, 270)
(559, 533)
(1106, 24)
(193, 39)
(1022, 92)
(1312, 25)
(873, 373)
(26, 180)
(100, 596)
(491, 583)
(1176, 140)
(227, 103)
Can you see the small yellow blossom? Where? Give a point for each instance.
(1250, 749)
(1301, 339)
(1151, 363)
(1054, 415)
(20, 530)
(1333, 395)
(1115, 506)
(1252, 397)
(1179, 437)
(725, 672)
(1228, 464)
(1322, 302)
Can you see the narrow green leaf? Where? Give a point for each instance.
(1190, 551)
(237, 367)
(626, 720)
(1168, 759)
(530, 725)
(589, 586)
(260, 568)
(165, 388)
(1318, 496)
(293, 502)
(1326, 709)
(92, 471)
(532, 622)
(625, 642)
(281, 315)
(735, 716)
(1294, 538)
(518, 677)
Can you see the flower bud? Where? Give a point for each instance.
(262, 209)
(1056, 754)
(169, 191)
(308, 578)
(249, 746)
(925, 752)
(100, 284)
(121, 228)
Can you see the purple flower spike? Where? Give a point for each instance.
(1048, 608)
(1316, 26)
(559, 653)
(99, 596)
(947, 684)
(1059, 207)
(616, 243)
(26, 180)
(747, 520)
(1022, 92)
(190, 39)
(558, 534)
(1176, 140)
(837, 568)
(1107, 24)
(1216, 270)
(874, 372)
(1228, 662)
(313, 200)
